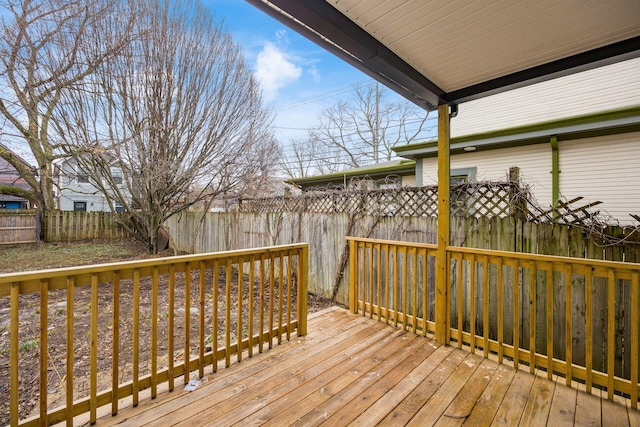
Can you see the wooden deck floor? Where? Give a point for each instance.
(350, 370)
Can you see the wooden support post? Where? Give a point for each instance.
(442, 280)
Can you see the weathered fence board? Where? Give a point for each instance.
(19, 226)
(193, 232)
(68, 226)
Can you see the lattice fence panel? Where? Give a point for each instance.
(469, 199)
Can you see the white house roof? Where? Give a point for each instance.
(442, 51)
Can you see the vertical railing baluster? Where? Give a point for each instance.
(588, 289)
(201, 329)
(405, 287)
(500, 285)
(170, 326)
(472, 303)
(187, 322)
(136, 335)
(70, 350)
(93, 376)
(280, 296)
(289, 285)
(414, 293)
(271, 300)
(516, 314)
(460, 298)
(370, 280)
(485, 306)
(378, 280)
(550, 281)
(387, 283)
(611, 332)
(214, 314)
(362, 275)
(396, 293)
(425, 291)
(227, 321)
(261, 305)
(13, 354)
(568, 326)
(115, 347)
(154, 332)
(302, 291)
(635, 340)
(240, 298)
(252, 265)
(44, 348)
(533, 296)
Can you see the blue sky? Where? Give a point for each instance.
(298, 77)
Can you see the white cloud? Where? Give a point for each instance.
(274, 70)
(315, 73)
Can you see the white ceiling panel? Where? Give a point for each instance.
(461, 43)
(450, 51)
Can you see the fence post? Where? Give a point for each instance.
(442, 279)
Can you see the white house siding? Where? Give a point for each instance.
(72, 191)
(605, 169)
(606, 88)
(409, 181)
(534, 162)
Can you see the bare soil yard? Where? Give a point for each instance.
(46, 256)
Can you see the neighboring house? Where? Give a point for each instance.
(398, 173)
(575, 136)
(9, 176)
(77, 192)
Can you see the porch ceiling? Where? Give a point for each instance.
(441, 52)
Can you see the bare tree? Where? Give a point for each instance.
(47, 49)
(177, 114)
(359, 132)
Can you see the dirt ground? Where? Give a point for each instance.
(45, 256)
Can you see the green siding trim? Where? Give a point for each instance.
(402, 168)
(599, 124)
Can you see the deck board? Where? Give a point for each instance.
(351, 370)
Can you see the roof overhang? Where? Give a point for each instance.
(394, 168)
(443, 52)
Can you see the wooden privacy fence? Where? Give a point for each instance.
(19, 226)
(576, 318)
(254, 298)
(68, 226)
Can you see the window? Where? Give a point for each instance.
(82, 177)
(80, 206)
(116, 174)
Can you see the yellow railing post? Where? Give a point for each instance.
(442, 278)
(353, 267)
(303, 284)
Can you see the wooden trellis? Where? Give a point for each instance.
(468, 199)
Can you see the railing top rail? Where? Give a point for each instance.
(15, 277)
(392, 242)
(547, 258)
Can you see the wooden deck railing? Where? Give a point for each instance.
(180, 303)
(573, 317)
